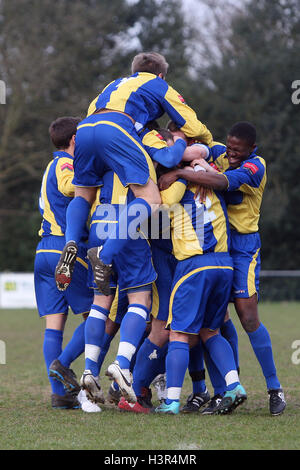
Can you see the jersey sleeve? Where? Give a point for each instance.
(217, 156)
(64, 176)
(185, 117)
(248, 177)
(159, 151)
(174, 193)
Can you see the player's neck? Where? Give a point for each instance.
(69, 150)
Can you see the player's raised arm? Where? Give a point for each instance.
(185, 117)
(208, 180)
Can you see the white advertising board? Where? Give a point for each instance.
(17, 290)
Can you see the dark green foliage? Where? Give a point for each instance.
(253, 82)
(56, 56)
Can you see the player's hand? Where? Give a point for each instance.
(202, 193)
(179, 135)
(166, 180)
(198, 161)
(203, 163)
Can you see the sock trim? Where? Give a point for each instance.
(126, 350)
(97, 314)
(92, 352)
(231, 377)
(173, 393)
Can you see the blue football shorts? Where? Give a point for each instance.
(49, 299)
(119, 307)
(110, 141)
(245, 253)
(165, 264)
(133, 268)
(200, 293)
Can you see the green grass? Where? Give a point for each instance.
(27, 420)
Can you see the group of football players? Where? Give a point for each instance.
(152, 232)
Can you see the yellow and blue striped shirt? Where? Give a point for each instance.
(56, 193)
(245, 190)
(146, 97)
(197, 228)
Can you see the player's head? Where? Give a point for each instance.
(171, 126)
(241, 141)
(62, 131)
(167, 136)
(152, 125)
(151, 62)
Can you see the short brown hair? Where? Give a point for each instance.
(171, 126)
(62, 129)
(151, 62)
(166, 134)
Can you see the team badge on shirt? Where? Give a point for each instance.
(251, 167)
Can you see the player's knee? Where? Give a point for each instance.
(248, 314)
(158, 334)
(249, 321)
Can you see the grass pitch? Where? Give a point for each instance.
(27, 420)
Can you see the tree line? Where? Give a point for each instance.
(241, 65)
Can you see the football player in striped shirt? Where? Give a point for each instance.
(243, 183)
(109, 139)
(200, 291)
(57, 191)
(133, 272)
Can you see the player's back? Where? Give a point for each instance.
(146, 97)
(139, 96)
(56, 193)
(197, 228)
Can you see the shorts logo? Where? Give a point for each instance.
(239, 291)
(153, 355)
(251, 167)
(181, 99)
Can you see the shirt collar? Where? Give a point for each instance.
(62, 153)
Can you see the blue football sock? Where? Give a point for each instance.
(74, 348)
(148, 361)
(134, 357)
(228, 331)
(114, 245)
(217, 381)
(261, 344)
(196, 368)
(52, 348)
(115, 386)
(107, 339)
(131, 332)
(176, 365)
(221, 353)
(76, 217)
(94, 333)
(161, 362)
